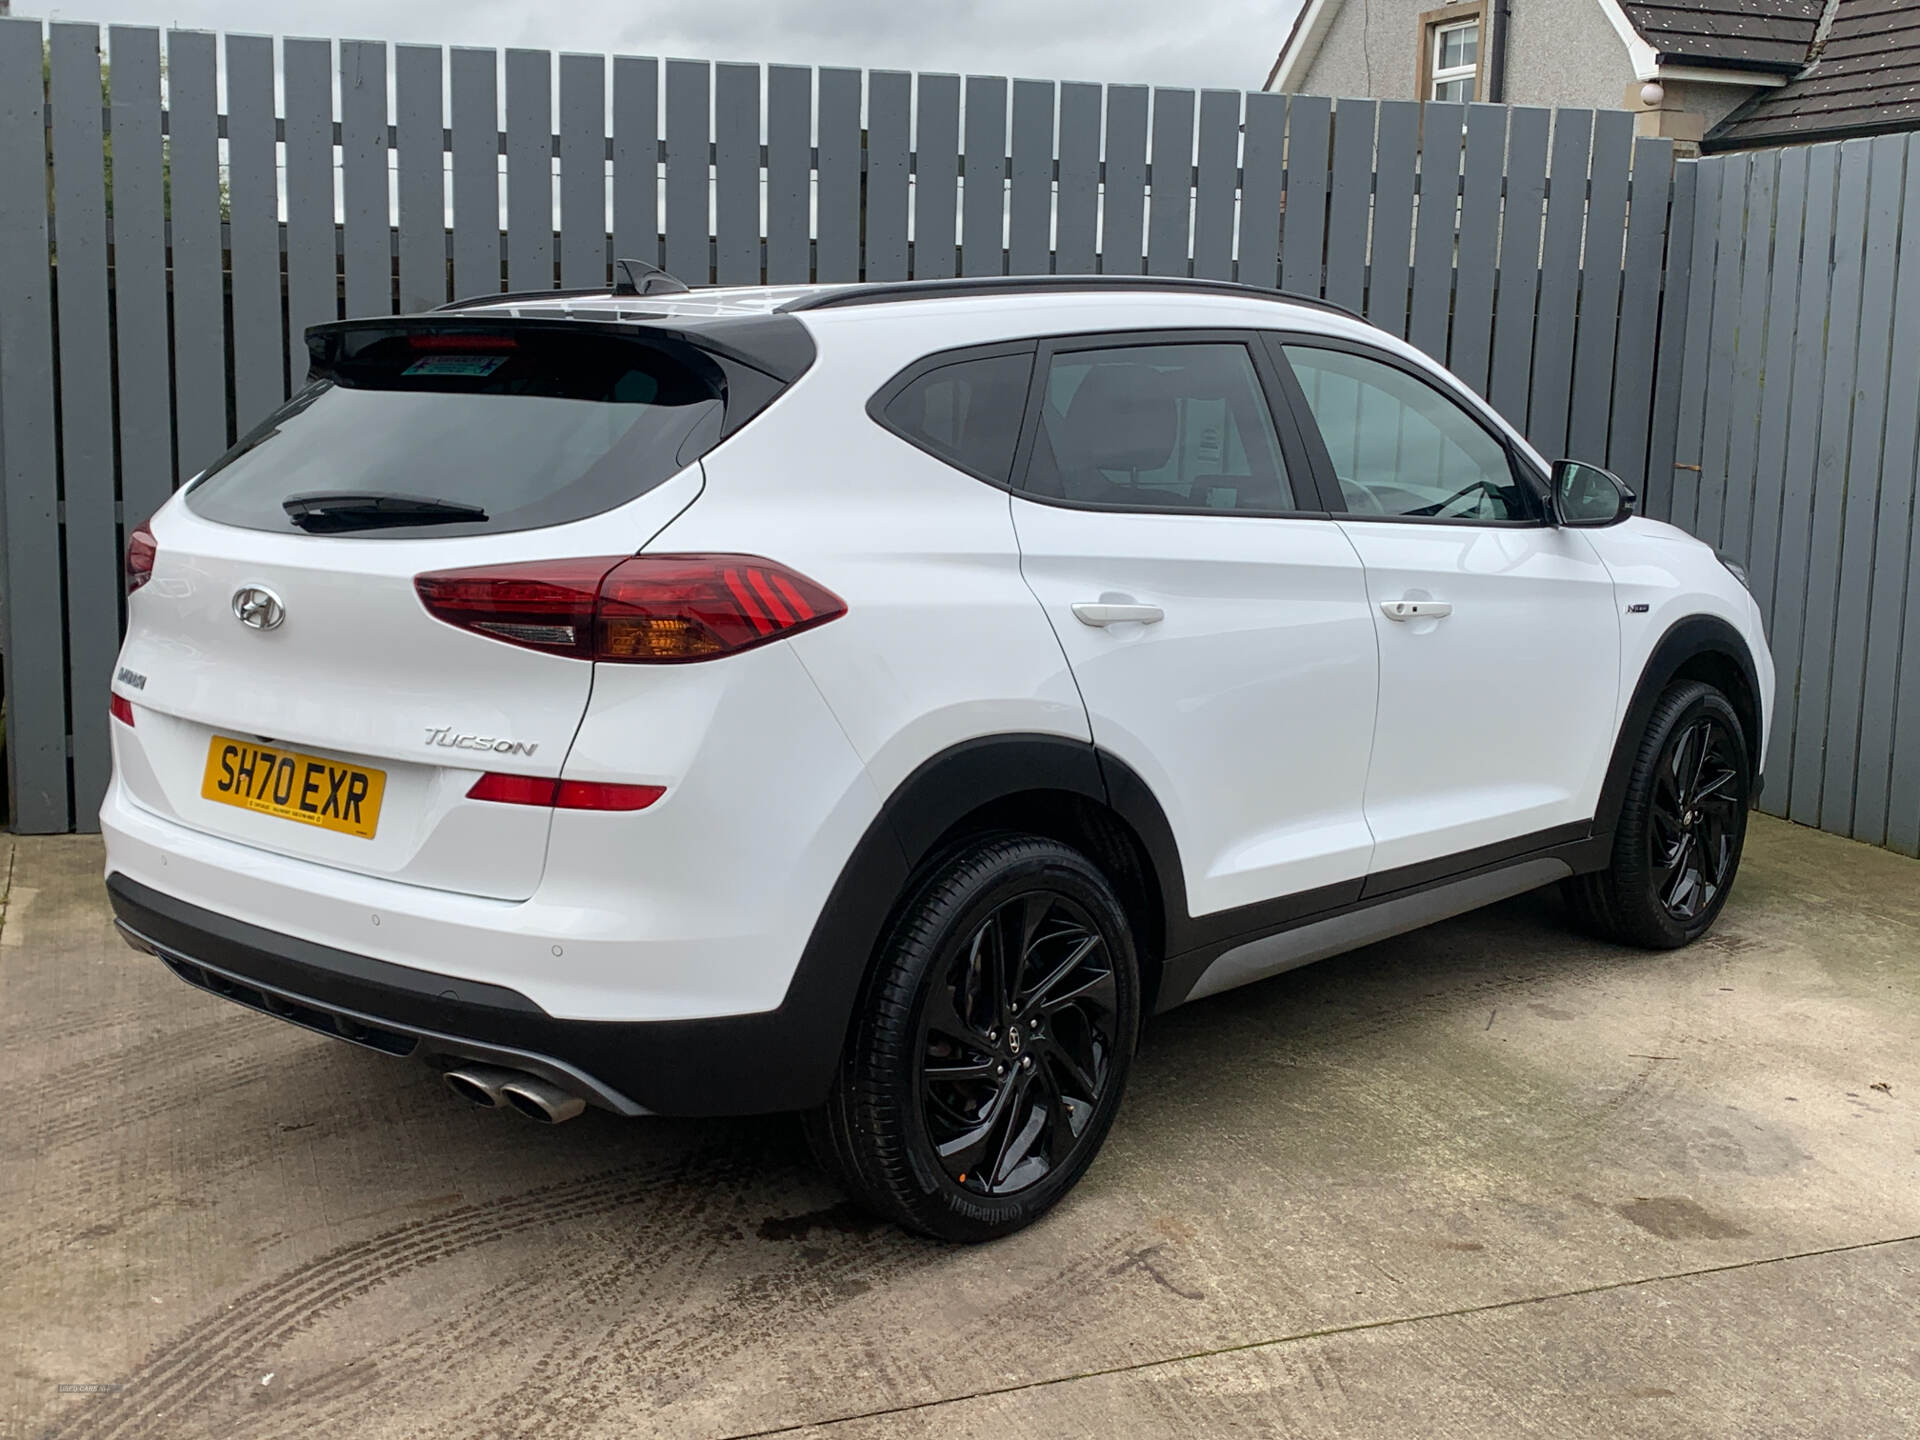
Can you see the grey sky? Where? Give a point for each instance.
(1219, 43)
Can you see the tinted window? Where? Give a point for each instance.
(967, 413)
(1159, 427)
(1401, 447)
(533, 428)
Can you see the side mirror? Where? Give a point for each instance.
(1585, 496)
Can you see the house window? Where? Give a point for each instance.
(1456, 56)
(1450, 52)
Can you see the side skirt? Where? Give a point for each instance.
(1249, 957)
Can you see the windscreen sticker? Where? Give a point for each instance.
(471, 366)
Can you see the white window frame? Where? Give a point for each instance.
(1437, 76)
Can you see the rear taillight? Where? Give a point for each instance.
(120, 708)
(141, 552)
(640, 609)
(564, 794)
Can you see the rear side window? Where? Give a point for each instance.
(414, 433)
(966, 413)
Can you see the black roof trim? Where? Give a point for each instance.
(887, 292)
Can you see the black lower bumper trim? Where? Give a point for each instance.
(727, 1066)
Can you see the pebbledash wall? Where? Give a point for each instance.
(1723, 333)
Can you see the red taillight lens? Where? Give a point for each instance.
(564, 794)
(544, 604)
(642, 609)
(141, 553)
(120, 708)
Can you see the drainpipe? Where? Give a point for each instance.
(1497, 61)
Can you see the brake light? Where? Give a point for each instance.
(120, 708)
(141, 553)
(460, 342)
(564, 794)
(640, 609)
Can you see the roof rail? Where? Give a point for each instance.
(520, 297)
(889, 291)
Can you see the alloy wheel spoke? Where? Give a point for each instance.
(1097, 989)
(1024, 1123)
(1078, 954)
(1065, 1064)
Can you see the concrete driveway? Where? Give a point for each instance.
(1492, 1179)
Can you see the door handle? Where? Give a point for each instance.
(1415, 609)
(1104, 612)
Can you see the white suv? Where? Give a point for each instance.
(874, 700)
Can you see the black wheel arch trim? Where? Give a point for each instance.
(1686, 640)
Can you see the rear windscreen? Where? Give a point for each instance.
(414, 434)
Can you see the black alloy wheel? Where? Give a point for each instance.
(991, 1046)
(1697, 808)
(1017, 1040)
(1682, 824)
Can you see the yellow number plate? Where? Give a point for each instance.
(307, 788)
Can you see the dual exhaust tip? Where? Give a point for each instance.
(495, 1088)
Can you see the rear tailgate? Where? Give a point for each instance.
(360, 675)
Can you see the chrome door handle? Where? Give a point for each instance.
(1415, 609)
(1102, 612)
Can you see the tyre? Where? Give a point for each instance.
(1682, 825)
(992, 1044)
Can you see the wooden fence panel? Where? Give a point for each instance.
(474, 76)
(1263, 170)
(583, 172)
(790, 176)
(366, 226)
(253, 264)
(1593, 356)
(1350, 207)
(688, 196)
(91, 540)
(143, 380)
(1214, 184)
(193, 175)
(1123, 249)
(983, 189)
(530, 170)
(1436, 226)
(936, 188)
(1470, 351)
(839, 245)
(1030, 204)
(35, 642)
(1303, 220)
(736, 174)
(1170, 183)
(1077, 206)
(1391, 272)
(636, 159)
(420, 174)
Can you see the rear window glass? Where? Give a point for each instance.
(428, 434)
(967, 413)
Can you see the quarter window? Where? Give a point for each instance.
(1402, 448)
(1158, 427)
(967, 413)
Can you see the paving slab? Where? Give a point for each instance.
(1492, 1154)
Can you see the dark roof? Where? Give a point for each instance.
(1749, 34)
(1864, 80)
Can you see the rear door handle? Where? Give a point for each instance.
(1415, 609)
(1105, 612)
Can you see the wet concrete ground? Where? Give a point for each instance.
(1491, 1179)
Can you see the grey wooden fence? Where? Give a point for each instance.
(1544, 256)
(1800, 407)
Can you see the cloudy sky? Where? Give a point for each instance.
(1224, 43)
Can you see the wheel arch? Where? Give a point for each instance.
(1699, 647)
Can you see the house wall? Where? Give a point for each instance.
(1559, 52)
(1564, 52)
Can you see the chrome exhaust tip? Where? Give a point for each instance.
(482, 1084)
(537, 1100)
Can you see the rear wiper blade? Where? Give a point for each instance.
(326, 514)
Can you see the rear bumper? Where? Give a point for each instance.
(743, 1064)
